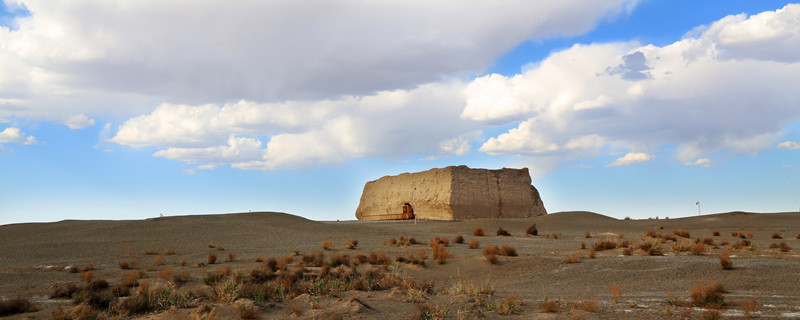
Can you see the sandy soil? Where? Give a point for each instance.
(764, 282)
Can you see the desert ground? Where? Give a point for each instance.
(580, 265)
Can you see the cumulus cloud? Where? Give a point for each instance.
(791, 145)
(79, 122)
(16, 135)
(703, 94)
(631, 158)
(73, 57)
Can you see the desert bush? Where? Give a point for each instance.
(627, 251)
(776, 235)
(211, 258)
(391, 241)
(15, 305)
(668, 237)
(555, 236)
(181, 277)
(682, 233)
(89, 266)
(740, 244)
(260, 259)
(352, 244)
(573, 258)
(588, 306)
(682, 246)
(220, 248)
(749, 235)
(784, 247)
(487, 250)
(378, 258)
(326, 245)
(583, 245)
(248, 311)
(124, 265)
(698, 248)
(439, 253)
(710, 315)
(716, 233)
(64, 291)
(587, 234)
(159, 259)
(165, 274)
(734, 234)
(478, 232)
(491, 257)
(149, 252)
(649, 243)
(231, 256)
(508, 251)
(533, 232)
(605, 244)
(751, 306)
(710, 294)
(458, 239)
(474, 244)
(339, 260)
(616, 293)
(508, 305)
(591, 254)
(169, 252)
(707, 241)
(652, 234)
(725, 262)
(624, 244)
(798, 236)
(502, 232)
(284, 262)
(550, 305)
(724, 243)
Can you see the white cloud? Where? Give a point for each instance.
(79, 57)
(16, 135)
(699, 162)
(237, 149)
(705, 94)
(79, 122)
(632, 158)
(791, 145)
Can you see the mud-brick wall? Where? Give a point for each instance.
(482, 193)
(388, 194)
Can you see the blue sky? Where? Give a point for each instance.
(626, 108)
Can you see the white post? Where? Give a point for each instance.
(415, 204)
(698, 208)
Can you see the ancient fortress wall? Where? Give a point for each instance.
(453, 193)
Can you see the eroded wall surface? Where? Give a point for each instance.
(388, 194)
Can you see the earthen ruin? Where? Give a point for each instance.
(451, 193)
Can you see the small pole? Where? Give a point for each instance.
(415, 204)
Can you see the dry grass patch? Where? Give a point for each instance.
(124, 265)
(16, 305)
(508, 251)
(716, 233)
(573, 258)
(587, 234)
(458, 239)
(474, 244)
(503, 232)
(605, 244)
(776, 235)
(555, 236)
(169, 252)
(159, 260)
(550, 305)
(725, 262)
(508, 305)
(588, 306)
(149, 252)
(682, 233)
(211, 258)
(531, 231)
(751, 306)
(708, 295)
(592, 254)
(616, 293)
(478, 232)
(231, 257)
(698, 248)
(352, 244)
(326, 245)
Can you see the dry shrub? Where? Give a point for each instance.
(391, 241)
(616, 293)
(124, 265)
(508, 305)
(326, 245)
(260, 259)
(550, 305)
(211, 245)
(169, 252)
(710, 315)
(798, 236)
(698, 248)
(749, 235)
(64, 291)
(707, 241)
(682, 246)
(587, 234)
(682, 233)
(231, 256)
(248, 311)
(502, 232)
(624, 244)
(627, 251)
(86, 276)
(605, 244)
(378, 258)
(531, 231)
(751, 306)
(458, 239)
(211, 258)
(351, 244)
(284, 262)
(725, 262)
(439, 253)
(479, 232)
(734, 234)
(588, 306)
(784, 247)
(165, 274)
(79, 312)
(583, 245)
(182, 277)
(487, 250)
(134, 262)
(149, 252)
(159, 259)
(428, 311)
(555, 236)
(220, 248)
(591, 254)
(508, 251)
(574, 258)
(491, 258)
(474, 244)
(710, 294)
(776, 235)
(668, 237)
(130, 280)
(339, 260)
(724, 243)
(15, 305)
(650, 243)
(716, 233)
(652, 234)
(89, 266)
(272, 264)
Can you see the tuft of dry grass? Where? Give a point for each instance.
(169, 252)
(124, 265)
(474, 244)
(159, 260)
(351, 244)
(231, 257)
(716, 233)
(583, 245)
(165, 274)
(149, 252)
(681, 233)
(725, 262)
(587, 234)
(508, 251)
(704, 295)
(479, 232)
(491, 250)
(605, 244)
(248, 311)
(326, 245)
(749, 235)
(710, 315)
(751, 306)
(458, 239)
(627, 251)
(591, 254)
(776, 235)
(555, 236)
(260, 259)
(698, 248)
(573, 258)
(616, 293)
(211, 258)
(502, 232)
(531, 231)
(798, 236)
(491, 258)
(16, 305)
(508, 305)
(550, 305)
(588, 306)
(784, 247)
